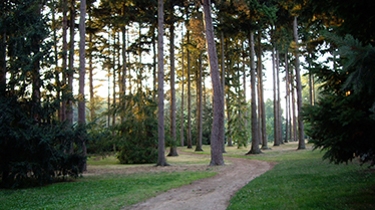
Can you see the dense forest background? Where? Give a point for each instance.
(80, 77)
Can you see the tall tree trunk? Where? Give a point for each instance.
(222, 66)
(91, 78)
(114, 82)
(182, 138)
(189, 140)
(199, 103)
(311, 82)
(287, 96)
(301, 134)
(279, 121)
(173, 148)
(36, 81)
(82, 72)
(70, 71)
(124, 70)
(261, 95)
(294, 117)
(161, 135)
(3, 71)
(275, 107)
(154, 72)
(217, 132)
(64, 65)
(254, 117)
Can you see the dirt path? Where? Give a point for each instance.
(211, 193)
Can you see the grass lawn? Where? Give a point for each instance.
(111, 191)
(301, 180)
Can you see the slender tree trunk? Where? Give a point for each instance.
(261, 96)
(173, 148)
(311, 82)
(279, 121)
(182, 138)
(82, 72)
(64, 54)
(154, 65)
(287, 96)
(301, 134)
(217, 132)
(161, 135)
(223, 83)
(294, 117)
(70, 71)
(114, 82)
(3, 71)
(254, 120)
(275, 107)
(189, 140)
(199, 103)
(124, 70)
(91, 79)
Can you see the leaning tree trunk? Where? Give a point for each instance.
(217, 132)
(254, 117)
(161, 145)
(301, 134)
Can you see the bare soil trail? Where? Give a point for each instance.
(211, 193)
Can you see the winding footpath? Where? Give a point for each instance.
(211, 193)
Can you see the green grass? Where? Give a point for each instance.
(97, 192)
(302, 180)
(299, 180)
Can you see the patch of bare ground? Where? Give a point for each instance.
(209, 194)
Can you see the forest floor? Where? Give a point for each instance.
(210, 193)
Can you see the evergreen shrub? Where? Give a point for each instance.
(34, 150)
(138, 134)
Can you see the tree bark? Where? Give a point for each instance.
(301, 134)
(254, 117)
(82, 72)
(3, 63)
(275, 107)
(217, 132)
(161, 135)
(222, 66)
(279, 121)
(173, 148)
(261, 96)
(198, 146)
(189, 140)
(182, 138)
(287, 96)
(70, 70)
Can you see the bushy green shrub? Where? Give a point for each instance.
(137, 134)
(34, 150)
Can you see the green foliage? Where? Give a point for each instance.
(137, 135)
(34, 152)
(341, 122)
